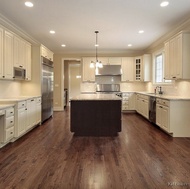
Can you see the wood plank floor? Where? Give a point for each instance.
(140, 157)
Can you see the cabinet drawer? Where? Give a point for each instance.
(9, 134)
(125, 94)
(162, 102)
(21, 104)
(125, 98)
(9, 112)
(125, 107)
(125, 103)
(2, 112)
(9, 122)
(38, 100)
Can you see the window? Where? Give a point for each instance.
(159, 68)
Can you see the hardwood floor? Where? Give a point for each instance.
(140, 157)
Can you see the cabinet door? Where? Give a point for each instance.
(127, 67)
(146, 109)
(88, 72)
(167, 61)
(131, 101)
(1, 52)
(31, 113)
(165, 118)
(158, 115)
(21, 124)
(28, 60)
(178, 54)
(22, 54)
(145, 67)
(172, 52)
(138, 69)
(16, 44)
(38, 113)
(115, 60)
(8, 56)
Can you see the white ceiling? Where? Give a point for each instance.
(75, 21)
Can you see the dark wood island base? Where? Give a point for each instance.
(96, 117)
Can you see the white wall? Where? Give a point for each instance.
(9, 89)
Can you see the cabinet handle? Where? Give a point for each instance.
(25, 108)
(20, 66)
(22, 104)
(11, 121)
(160, 106)
(174, 77)
(3, 76)
(11, 112)
(32, 100)
(11, 132)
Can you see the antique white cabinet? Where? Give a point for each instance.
(88, 73)
(1, 52)
(8, 55)
(128, 101)
(143, 68)
(127, 67)
(142, 105)
(177, 57)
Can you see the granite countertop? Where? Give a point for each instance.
(96, 97)
(3, 106)
(17, 99)
(163, 96)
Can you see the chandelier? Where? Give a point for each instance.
(97, 64)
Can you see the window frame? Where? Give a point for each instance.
(154, 55)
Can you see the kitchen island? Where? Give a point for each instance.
(96, 115)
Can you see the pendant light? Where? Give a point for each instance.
(96, 64)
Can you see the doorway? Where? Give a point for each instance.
(74, 79)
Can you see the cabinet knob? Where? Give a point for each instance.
(3, 76)
(11, 132)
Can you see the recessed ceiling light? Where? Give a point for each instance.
(164, 4)
(52, 32)
(29, 4)
(63, 45)
(129, 45)
(141, 31)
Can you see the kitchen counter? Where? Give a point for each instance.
(4, 106)
(16, 99)
(167, 97)
(96, 97)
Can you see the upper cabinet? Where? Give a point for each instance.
(1, 52)
(14, 52)
(28, 60)
(45, 52)
(143, 68)
(8, 55)
(177, 57)
(127, 67)
(114, 60)
(88, 73)
(19, 53)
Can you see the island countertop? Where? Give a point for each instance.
(96, 97)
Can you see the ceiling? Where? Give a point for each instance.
(74, 22)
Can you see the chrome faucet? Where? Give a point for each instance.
(160, 90)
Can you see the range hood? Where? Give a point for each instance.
(109, 70)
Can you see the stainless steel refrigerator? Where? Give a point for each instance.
(47, 89)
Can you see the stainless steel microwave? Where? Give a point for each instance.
(19, 73)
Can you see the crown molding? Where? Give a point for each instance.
(5, 22)
(183, 26)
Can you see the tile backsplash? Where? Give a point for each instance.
(177, 88)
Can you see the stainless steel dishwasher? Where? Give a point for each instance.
(152, 109)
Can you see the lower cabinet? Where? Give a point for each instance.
(128, 101)
(28, 114)
(6, 125)
(162, 114)
(142, 105)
